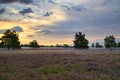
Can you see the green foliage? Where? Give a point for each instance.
(54, 69)
(2, 44)
(110, 41)
(97, 45)
(10, 39)
(34, 44)
(66, 46)
(80, 41)
(24, 45)
(58, 45)
(118, 45)
(93, 45)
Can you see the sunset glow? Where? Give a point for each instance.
(52, 22)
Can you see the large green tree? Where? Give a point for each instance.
(80, 41)
(110, 42)
(34, 44)
(118, 45)
(2, 44)
(10, 39)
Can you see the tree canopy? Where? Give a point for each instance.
(97, 45)
(80, 41)
(118, 45)
(10, 39)
(34, 44)
(109, 41)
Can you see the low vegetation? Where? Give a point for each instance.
(67, 64)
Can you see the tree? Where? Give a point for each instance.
(98, 45)
(1, 43)
(118, 45)
(10, 39)
(93, 45)
(80, 41)
(34, 44)
(109, 41)
(58, 45)
(66, 46)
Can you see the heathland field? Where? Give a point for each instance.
(59, 64)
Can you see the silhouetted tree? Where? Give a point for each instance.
(80, 41)
(51, 46)
(97, 45)
(10, 39)
(118, 45)
(24, 45)
(58, 45)
(1, 43)
(110, 41)
(34, 44)
(93, 45)
(66, 46)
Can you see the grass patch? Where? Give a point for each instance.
(52, 69)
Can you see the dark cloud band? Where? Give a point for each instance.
(16, 28)
(21, 1)
(2, 10)
(24, 11)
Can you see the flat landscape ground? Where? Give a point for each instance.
(59, 64)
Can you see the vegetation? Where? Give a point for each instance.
(34, 44)
(118, 45)
(10, 39)
(2, 44)
(93, 45)
(59, 65)
(24, 45)
(110, 42)
(98, 45)
(80, 41)
(65, 46)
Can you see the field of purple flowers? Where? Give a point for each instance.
(67, 64)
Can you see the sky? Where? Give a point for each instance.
(53, 22)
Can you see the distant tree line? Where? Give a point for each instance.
(96, 45)
(10, 40)
(80, 42)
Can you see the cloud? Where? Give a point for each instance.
(106, 2)
(24, 11)
(44, 32)
(48, 13)
(21, 1)
(7, 1)
(2, 10)
(64, 6)
(17, 28)
(30, 35)
(95, 18)
(26, 1)
(79, 8)
(41, 14)
(51, 32)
